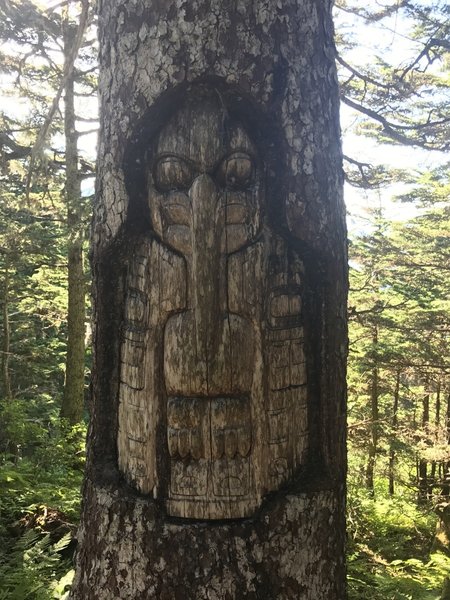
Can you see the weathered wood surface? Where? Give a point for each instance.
(213, 342)
(219, 370)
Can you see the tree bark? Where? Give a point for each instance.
(195, 97)
(73, 399)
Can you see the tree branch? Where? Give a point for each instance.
(390, 129)
(68, 70)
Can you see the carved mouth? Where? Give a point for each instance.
(209, 428)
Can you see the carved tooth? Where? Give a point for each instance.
(244, 440)
(196, 443)
(172, 441)
(173, 413)
(230, 443)
(183, 442)
(218, 443)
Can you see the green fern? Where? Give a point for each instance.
(34, 567)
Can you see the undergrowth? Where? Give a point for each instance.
(389, 543)
(41, 470)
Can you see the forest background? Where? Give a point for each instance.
(393, 59)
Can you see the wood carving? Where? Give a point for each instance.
(213, 407)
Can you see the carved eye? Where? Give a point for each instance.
(173, 173)
(236, 171)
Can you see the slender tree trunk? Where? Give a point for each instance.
(6, 334)
(394, 433)
(446, 487)
(11, 447)
(423, 463)
(216, 451)
(374, 415)
(73, 398)
(437, 418)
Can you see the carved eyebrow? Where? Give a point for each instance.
(182, 157)
(235, 154)
(237, 150)
(209, 168)
(240, 154)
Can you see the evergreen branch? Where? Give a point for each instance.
(363, 287)
(29, 13)
(390, 129)
(360, 75)
(432, 43)
(365, 170)
(17, 150)
(428, 123)
(87, 132)
(67, 73)
(366, 422)
(377, 308)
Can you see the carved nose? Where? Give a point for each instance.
(203, 195)
(207, 269)
(207, 344)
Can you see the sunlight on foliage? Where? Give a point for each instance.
(389, 542)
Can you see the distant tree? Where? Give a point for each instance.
(399, 313)
(42, 65)
(73, 400)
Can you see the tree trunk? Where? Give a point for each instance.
(73, 398)
(374, 417)
(6, 334)
(423, 463)
(437, 417)
(394, 433)
(216, 451)
(446, 487)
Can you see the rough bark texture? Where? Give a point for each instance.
(289, 551)
(270, 64)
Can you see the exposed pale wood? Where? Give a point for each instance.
(241, 322)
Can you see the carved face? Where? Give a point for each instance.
(205, 180)
(212, 411)
(204, 198)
